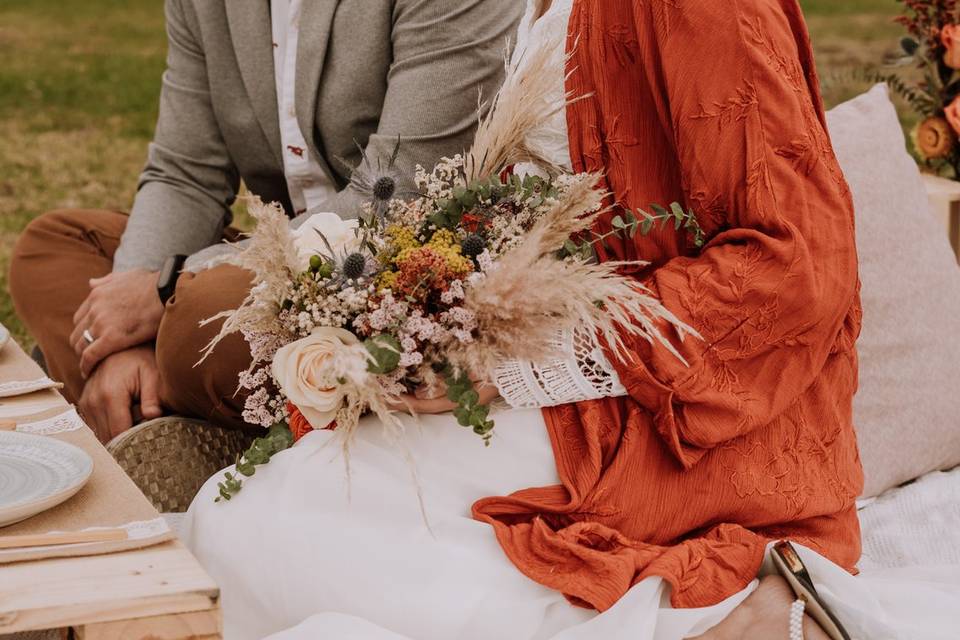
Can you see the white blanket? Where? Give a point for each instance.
(914, 525)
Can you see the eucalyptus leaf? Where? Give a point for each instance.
(385, 350)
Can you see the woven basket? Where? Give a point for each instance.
(169, 459)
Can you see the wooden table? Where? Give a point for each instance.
(945, 201)
(157, 593)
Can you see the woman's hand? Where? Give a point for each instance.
(433, 400)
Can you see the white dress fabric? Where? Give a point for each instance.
(305, 553)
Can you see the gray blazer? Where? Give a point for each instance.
(368, 71)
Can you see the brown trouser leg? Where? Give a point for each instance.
(53, 261)
(207, 390)
(52, 264)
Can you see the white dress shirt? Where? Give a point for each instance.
(307, 182)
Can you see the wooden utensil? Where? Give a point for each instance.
(68, 537)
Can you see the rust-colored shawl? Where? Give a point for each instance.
(714, 103)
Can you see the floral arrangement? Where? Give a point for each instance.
(932, 46)
(432, 286)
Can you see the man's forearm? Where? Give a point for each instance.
(166, 221)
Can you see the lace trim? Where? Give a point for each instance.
(137, 530)
(69, 420)
(20, 387)
(581, 371)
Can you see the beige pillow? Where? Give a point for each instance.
(907, 411)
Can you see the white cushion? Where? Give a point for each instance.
(907, 411)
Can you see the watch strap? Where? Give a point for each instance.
(169, 274)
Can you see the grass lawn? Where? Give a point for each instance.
(78, 92)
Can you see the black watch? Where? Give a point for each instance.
(169, 274)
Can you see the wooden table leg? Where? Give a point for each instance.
(199, 625)
(955, 228)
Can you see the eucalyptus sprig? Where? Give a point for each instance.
(278, 438)
(469, 412)
(629, 224)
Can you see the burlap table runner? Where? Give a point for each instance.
(17, 376)
(109, 499)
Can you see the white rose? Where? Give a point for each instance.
(340, 233)
(314, 372)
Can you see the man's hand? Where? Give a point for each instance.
(120, 382)
(122, 311)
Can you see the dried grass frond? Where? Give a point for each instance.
(270, 255)
(574, 212)
(520, 311)
(520, 106)
(370, 396)
(532, 295)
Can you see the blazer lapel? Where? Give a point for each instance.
(252, 36)
(316, 20)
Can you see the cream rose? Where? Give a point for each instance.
(340, 233)
(315, 372)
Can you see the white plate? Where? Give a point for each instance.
(37, 473)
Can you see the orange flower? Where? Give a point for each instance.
(952, 114)
(950, 37)
(471, 222)
(299, 425)
(935, 138)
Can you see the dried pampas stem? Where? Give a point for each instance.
(532, 294)
(360, 399)
(519, 107)
(270, 255)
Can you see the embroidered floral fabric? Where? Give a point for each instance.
(714, 104)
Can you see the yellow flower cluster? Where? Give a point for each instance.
(400, 238)
(387, 280)
(445, 243)
(406, 253)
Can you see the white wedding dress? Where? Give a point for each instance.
(304, 554)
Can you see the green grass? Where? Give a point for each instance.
(79, 81)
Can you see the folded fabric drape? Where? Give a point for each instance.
(716, 104)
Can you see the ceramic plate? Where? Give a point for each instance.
(37, 473)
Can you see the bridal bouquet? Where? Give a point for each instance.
(931, 86)
(433, 287)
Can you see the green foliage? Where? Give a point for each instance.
(918, 99)
(469, 412)
(835, 8)
(278, 438)
(481, 194)
(627, 225)
(385, 350)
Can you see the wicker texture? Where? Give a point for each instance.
(170, 458)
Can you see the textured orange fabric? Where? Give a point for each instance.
(714, 103)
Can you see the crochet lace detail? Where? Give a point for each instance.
(578, 371)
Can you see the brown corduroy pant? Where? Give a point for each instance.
(53, 261)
